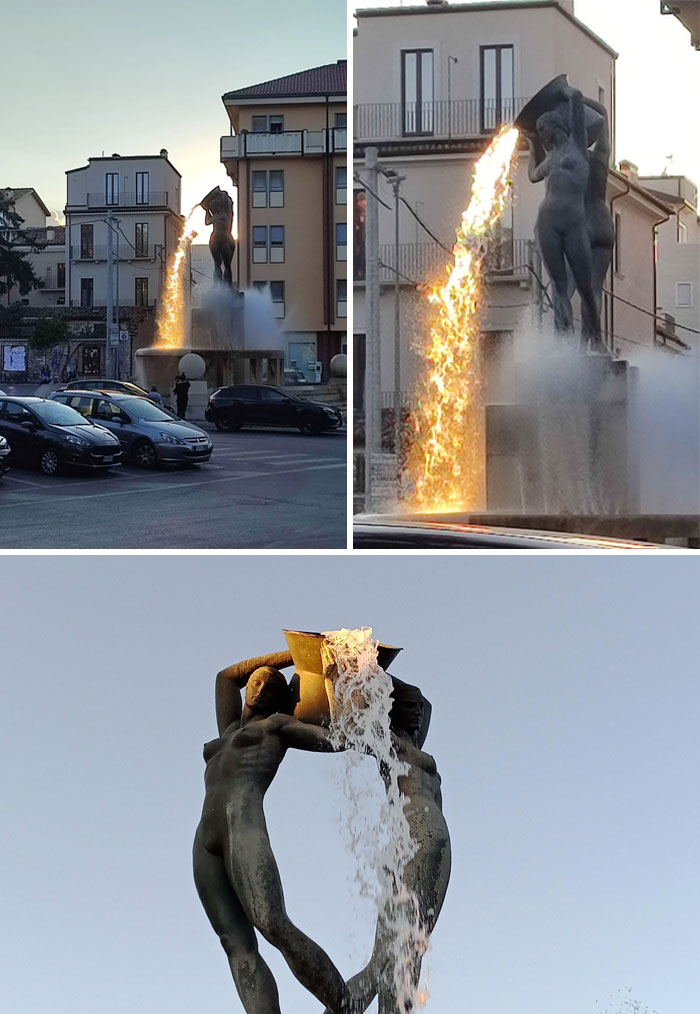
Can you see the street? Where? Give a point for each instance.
(260, 490)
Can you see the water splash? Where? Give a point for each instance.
(360, 698)
(171, 326)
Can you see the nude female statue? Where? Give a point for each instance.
(234, 867)
(428, 873)
(561, 219)
(599, 221)
(219, 213)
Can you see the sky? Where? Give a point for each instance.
(658, 81)
(87, 79)
(565, 702)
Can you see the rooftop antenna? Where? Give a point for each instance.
(668, 166)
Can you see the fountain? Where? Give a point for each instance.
(216, 331)
(340, 698)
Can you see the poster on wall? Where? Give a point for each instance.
(14, 358)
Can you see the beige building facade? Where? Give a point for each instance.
(287, 156)
(47, 257)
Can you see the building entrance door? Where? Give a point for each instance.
(302, 356)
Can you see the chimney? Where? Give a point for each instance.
(567, 5)
(629, 169)
(437, 3)
(115, 154)
(50, 235)
(163, 152)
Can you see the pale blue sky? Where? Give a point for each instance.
(565, 723)
(134, 77)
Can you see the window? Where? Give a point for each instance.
(267, 124)
(273, 397)
(341, 241)
(86, 245)
(60, 275)
(682, 232)
(617, 256)
(260, 286)
(141, 239)
(111, 188)
(601, 95)
(86, 291)
(141, 291)
(684, 294)
(496, 87)
(260, 244)
(358, 234)
(259, 189)
(277, 293)
(341, 184)
(417, 91)
(142, 188)
(276, 244)
(277, 188)
(341, 297)
(341, 121)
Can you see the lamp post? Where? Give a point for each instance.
(450, 61)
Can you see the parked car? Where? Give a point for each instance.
(147, 434)
(294, 377)
(381, 531)
(42, 433)
(101, 384)
(230, 408)
(4, 456)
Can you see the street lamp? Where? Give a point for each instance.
(450, 61)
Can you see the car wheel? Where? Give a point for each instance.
(145, 454)
(308, 424)
(225, 425)
(49, 462)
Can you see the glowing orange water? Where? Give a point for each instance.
(171, 326)
(446, 457)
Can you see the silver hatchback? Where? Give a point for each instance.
(148, 435)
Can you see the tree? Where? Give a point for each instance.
(47, 333)
(15, 269)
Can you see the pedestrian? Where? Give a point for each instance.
(181, 389)
(45, 375)
(154, 396)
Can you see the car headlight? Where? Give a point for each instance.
(330, 412)
(76, 440)
(168, 438)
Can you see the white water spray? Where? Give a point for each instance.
(361, 700)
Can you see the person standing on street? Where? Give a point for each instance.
(155, 396)
(181, 392)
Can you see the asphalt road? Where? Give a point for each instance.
(261, 489)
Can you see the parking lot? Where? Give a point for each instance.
(261, 490)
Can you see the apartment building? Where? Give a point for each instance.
(433, 82)
(137, 199)
(46, 252)
(678, 288)
(286, 154)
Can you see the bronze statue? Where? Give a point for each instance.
(219, 213)
(426, 876)
(235, 870)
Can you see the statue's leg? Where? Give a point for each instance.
(254, 981)
(253, 871)
(578, 253)
(552, 247)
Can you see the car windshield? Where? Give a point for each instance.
(146, 411)
(55, 414)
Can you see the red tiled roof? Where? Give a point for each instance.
(331, 79)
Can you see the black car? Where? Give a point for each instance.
(4, 456)
(385, 531)
(230, 408)
(48, 435)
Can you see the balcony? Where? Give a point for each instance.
(423, 263)
(155, 199)
(286, 142)
(442, 120)
(126, 253)
(51, 284)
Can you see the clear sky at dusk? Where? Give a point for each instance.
(565, 715)
(82, 78)
(658, 81)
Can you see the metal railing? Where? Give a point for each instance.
(126, 253)
(153, 199)
(420, 263)
(285, 142)
(442, 119)
(51, 282)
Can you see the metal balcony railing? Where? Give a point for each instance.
(51, 282)
(421, 263)
(154, 199)
(99, 253)
(442, 119)
(285, 142)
